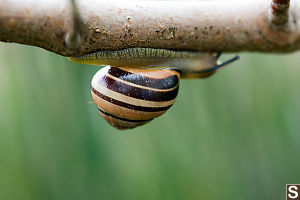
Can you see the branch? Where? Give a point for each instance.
(180, 25)
(280, 12)
(76, 29)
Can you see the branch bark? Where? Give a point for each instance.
(227, 26)
(280, 13)
(76, 30)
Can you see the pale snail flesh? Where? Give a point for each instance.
(140, 84)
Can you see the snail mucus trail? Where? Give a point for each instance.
(139, 84)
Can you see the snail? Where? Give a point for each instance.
(139, 84)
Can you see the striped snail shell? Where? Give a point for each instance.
(130, 97)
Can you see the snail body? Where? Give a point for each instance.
(139, 84)
(190, 64)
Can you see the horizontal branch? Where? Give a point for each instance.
(180, 25)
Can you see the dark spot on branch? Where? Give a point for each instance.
(282, 1)
(260, 32)
(280, 12)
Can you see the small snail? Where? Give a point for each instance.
(128, 97)
(140, 84)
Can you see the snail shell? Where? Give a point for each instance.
(130, 97)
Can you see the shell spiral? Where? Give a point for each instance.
(130, 97)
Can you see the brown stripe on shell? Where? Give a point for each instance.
(138, 93)
(131, 100)
(165, 79)
(152, 72)
(128, 113)
(121, 123)
(121, 118)
(127, 105)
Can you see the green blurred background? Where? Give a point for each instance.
(235, 135)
